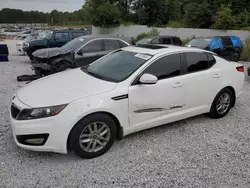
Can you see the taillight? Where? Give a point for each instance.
(240, 68)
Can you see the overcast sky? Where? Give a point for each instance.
(43, 5)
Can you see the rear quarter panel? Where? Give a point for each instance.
(230, 76)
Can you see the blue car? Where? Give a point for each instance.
(228, 47)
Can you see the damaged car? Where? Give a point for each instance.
(76, 53)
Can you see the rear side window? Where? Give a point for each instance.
(165, 67)
(211, 60)
(122, 44)
(226, 41)
(111, 44)
(156, 41)
(198, 61)
(176, 40)
(166, 41)
(78, 34)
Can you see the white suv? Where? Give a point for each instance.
(128, 90)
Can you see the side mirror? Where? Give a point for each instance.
(148, 79)
(79, 53)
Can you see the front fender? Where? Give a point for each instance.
(94, 104)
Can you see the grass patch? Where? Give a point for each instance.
(245, 55)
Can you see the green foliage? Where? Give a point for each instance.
(187, 40)
(176, 24)
(198, 15)
(103, 13)
(152, 32)
(224, 18)
(245, 55)
(234, 14)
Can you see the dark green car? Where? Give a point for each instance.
(51, 39)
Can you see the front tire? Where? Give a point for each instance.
(222, 104)
(93, 135)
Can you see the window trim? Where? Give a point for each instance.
(185, 62)
(137, 77)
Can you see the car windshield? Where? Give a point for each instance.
(73, 45)
(144, 41)
(200, 43)
(117, 66)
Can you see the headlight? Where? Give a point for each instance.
(38, 113)
(26, 44)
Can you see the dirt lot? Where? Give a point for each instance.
(197, 152)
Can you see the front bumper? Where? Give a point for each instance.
(56, 128)
(25, 48)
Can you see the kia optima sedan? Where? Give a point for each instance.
(126, 91)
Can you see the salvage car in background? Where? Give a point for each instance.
(55, 38)
(228, 47)
(126, 91)
(76, 53)
(168, 40)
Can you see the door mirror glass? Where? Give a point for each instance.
(80, 53)
(148, 79)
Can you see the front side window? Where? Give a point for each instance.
(116, 66)
(77, 34)
(93, 46)
(196, 61)
(111, 44)
(165, 67)
(62, 36)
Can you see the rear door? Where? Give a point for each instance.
(90, 52)
(202, 81)
(227, 49)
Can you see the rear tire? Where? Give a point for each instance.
(222, 104)
(93, 135)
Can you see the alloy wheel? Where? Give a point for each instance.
(94, 137)
(223, 103)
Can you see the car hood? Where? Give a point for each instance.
(49, 52)
(62, 88)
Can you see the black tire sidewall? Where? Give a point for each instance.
(213, 112)
(78, 128)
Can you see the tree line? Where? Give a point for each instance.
(217, 14)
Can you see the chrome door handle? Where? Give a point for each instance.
(216, 75)
(178, 84)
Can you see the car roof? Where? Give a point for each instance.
(91, 37)
(164, 49)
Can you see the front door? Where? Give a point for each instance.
(89, 53)
(61, 38)
(151, 103)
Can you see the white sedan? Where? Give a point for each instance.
(126, 91)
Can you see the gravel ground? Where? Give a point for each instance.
(197, 152)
